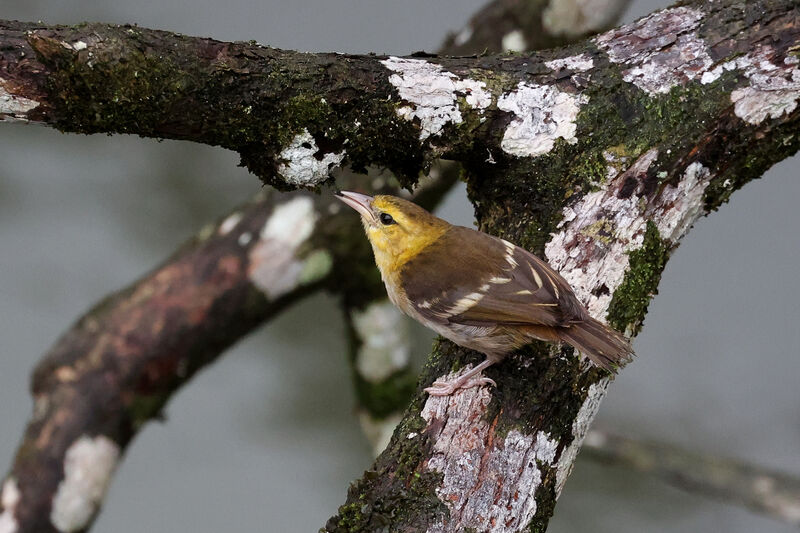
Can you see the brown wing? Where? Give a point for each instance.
(475, 279)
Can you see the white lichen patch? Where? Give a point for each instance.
(579, 17)
(710, 76)
(598, 233)
(591, 250)
(661, 49)
(79, 45)
(633, 42)
(580, 426)
(9, 498)
(433, 94)
(514, 41)
(578, 63)
(542, 114)
(384, 341)
(545, 447)
(681, 206)
(275, 267)
(13, 107)
(473, 459)
(88, 466)
(773, 90)
(300, 165)
(663, 70)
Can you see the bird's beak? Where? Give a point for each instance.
(360, 202)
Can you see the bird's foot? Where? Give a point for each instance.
(448, 387)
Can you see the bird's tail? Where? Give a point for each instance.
(603, 345)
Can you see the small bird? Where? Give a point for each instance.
(477, 290)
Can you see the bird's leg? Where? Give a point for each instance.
(446, 388)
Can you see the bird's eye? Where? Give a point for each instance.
(386, 219)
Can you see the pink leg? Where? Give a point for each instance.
(446, 388)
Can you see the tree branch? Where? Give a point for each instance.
(68, 388)
(119, 364)
(615, 151)
(277, 108)
(379, 346)
(770, 493)
(671, 103)
(513, 26)
(382, 371)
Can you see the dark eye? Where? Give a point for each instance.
(386, 219)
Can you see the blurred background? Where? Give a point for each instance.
(266, 439)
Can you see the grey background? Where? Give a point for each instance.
(266, 439)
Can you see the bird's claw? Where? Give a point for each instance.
(446, 388)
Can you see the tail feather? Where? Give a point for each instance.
(603, 345)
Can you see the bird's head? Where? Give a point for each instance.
(396, 228)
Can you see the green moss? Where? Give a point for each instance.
(629, 305)
(591, 167)
(396, 495)
(545, 499)
(131, 96)
(411, 453)
(622, 116)
(247, 98)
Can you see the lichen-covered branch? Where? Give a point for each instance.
(119, 364)
(602, 170)
(599, 156)
(279, 108)
(382, 371)
(94, 454)
(771, 493)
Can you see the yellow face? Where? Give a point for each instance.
(396, 228)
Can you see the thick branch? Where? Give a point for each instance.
(277, 108)
(239, 305)
(616, 151)
(120, 363)
(771, 493)
(378, 337)
(672, 114)
(382, 372)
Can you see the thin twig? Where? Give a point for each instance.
(768, 492)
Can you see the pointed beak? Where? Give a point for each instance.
(360, 202)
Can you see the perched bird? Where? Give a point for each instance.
(477, 290)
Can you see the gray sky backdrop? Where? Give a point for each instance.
(265, 439)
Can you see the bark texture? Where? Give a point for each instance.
(599, 157)
(671, 121)
(119, 364)
(63, 433)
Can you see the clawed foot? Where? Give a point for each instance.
(446, 388)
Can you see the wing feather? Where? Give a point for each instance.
(486, 281)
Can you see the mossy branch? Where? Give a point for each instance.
(211, 292)
(599, 157)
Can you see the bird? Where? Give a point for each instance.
(480, 291)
